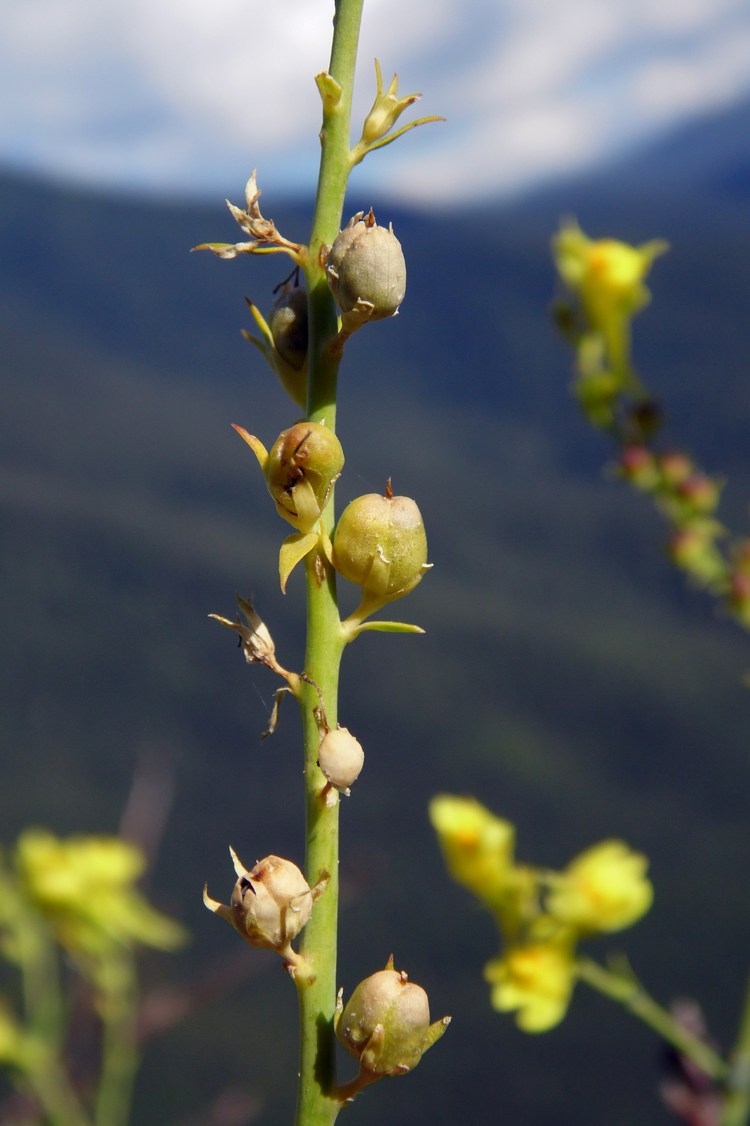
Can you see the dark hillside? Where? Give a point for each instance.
(566, 676)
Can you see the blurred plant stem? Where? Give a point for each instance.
(118, 1004)
(621, 985)
(316, 978)
(737, 1103)
(43, 1072)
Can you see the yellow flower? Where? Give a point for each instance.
(536, 980)
(603, 889)
(608, 278)
(85, 888)
(608, 274)
(477, 846)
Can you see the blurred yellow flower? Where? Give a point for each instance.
(85, 888)
(11, 1037)
(536, 980)
(607, 277)
(605, 888)
(477, 846)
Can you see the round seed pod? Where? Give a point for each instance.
(288, 323)
(386, 1023)
(366, 269)
(340, 757)
(303, 464)
(271, 903)
(380, 544)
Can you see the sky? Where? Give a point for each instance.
(186, 97)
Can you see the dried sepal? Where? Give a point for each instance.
(264, 236)
(257, 644)
(273, 719)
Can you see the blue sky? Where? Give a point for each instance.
(187, 96)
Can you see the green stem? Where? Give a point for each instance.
(316, 978)
(119, 989)
(737, 1105)
(629, 992)
(44, 1073)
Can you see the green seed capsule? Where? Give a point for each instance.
(380, 544)
(366, 269)
(386, 1023)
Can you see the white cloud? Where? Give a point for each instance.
(193, 91)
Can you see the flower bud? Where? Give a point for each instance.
(380, 544)
(639, 466)
(302, 466)
(366, 270)
(674, 467)
(693, 549)
(340, 757)
(477, 846)
(697, 495)
(288, 323)
(386, 1023)
(270, 904)
(386, 109)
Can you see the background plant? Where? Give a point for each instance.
(71, 924)
(543, 915)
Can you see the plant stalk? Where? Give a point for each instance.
(316, 978)
(737, 1104)
(631, 994)
(120, 1057)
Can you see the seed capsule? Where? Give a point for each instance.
(288, 323)
(270, 903)
(302, 466)
(386, 1023)
(380, 544)
(341, 757)
(366, 269)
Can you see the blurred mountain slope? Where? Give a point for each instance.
(566, 677)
